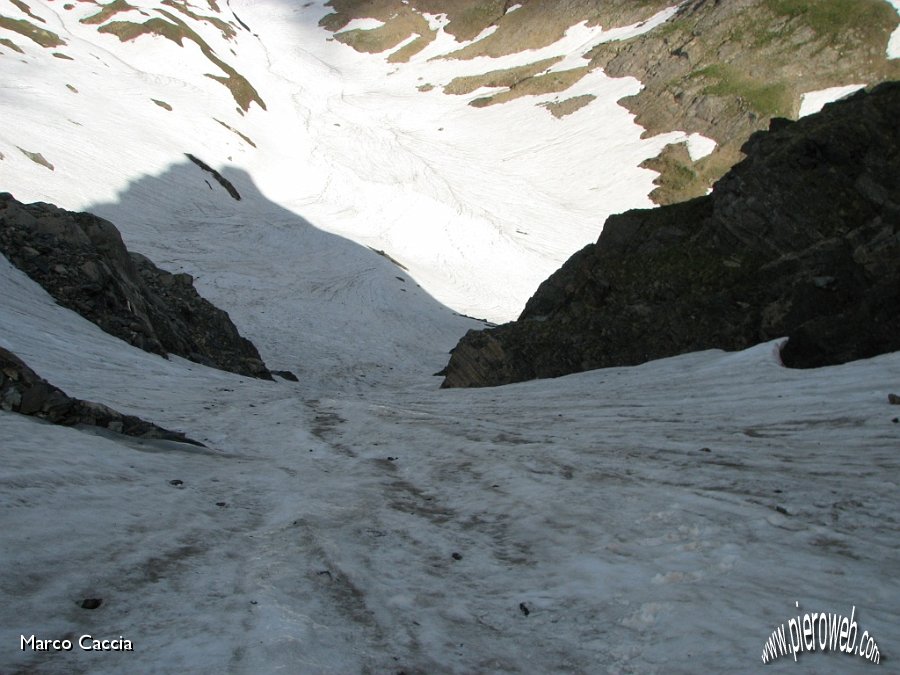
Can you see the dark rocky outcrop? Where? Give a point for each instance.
(801, 239)
(81, 261)
(220, 179)
(24, 391)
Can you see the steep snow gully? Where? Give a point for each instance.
(664, 518)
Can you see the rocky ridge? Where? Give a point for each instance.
(25, 392)
(82, 262)
(799, 240)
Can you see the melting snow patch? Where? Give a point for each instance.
(893, 48)
(699, 146)
(362, 24)
(436, 22)
(627, 32)
(409, 40)
(814, 101)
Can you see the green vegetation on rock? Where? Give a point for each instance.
(41, 36)
(225, 28)
(546, 83)
(725, 69)
(27, 10)
(834, 18)
(560, 109)
(107, 12)
(768, 98)
(6, 42)
(506, 77)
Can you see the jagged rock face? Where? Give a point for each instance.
(82, 262)
(25, 392)
(801, 239)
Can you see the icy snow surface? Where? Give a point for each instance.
(657, 519)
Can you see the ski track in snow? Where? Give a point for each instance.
(657, 519)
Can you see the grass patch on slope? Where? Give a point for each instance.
(548, 83)
(834, 17)
(399, 26)
(177, 31)
(506, 77)
(404, 54)
(107, 12)
(560, 109)
(42, 36)
(6, 42)
(766, 98)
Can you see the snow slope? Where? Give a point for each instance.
(480, 204)
(651, 519)
(663, 518)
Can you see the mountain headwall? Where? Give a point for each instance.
(801, 239)
(82, 262)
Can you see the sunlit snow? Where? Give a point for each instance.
(813, 101)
